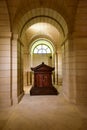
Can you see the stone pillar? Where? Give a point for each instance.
(17, 70)
(20, 66)
(56, 68)
(75, 69)
(75, 59)
(80, 48)
(14, 70)
(59, 67)
(32, 74)
(5, 57)
(53, 65)
(29, 70)
(5, 70)
(26, 67)
(69, 70)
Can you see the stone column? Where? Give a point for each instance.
(26, 67)
(56, 68)
(29, 70)
(14, 69)
(20, 65)
(5, 70)
(17, 70)
(53, 65)
(32, 74)
(5, 56)
(59, 67)
(69, 70)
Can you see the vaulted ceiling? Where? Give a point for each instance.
(67, 8)
(19, 8)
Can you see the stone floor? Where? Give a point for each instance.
(44, 113)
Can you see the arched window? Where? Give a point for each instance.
(42, 49)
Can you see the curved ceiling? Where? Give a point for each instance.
(67, 8)
(42, 29)
(53, 24)
(33, 18)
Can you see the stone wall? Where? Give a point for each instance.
(80, 47)
(5, 56)
(75, 59)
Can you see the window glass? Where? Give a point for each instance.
(42, 49)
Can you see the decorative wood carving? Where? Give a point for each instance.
(43, 81)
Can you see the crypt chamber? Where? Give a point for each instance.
(49, 31)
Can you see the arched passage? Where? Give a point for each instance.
(61, 18)
(55, 28)
(41, 49)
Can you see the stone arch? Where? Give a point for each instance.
(49, 43)
(47, 37)
(41, 15)
(38, 15)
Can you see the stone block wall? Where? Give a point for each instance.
(5, 56)
(75, 59)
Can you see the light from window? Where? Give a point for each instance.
(42, 49)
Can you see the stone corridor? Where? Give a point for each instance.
(44, 113)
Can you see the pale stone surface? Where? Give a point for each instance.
(14, 15)
(43, 113)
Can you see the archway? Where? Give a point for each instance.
(41, 48)
(16, 23)
(56, 30)
(38, 38)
